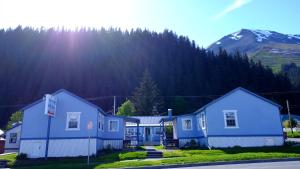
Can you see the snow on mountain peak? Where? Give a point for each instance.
(236, 36)
(261, 34)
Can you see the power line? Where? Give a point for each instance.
(183, 96)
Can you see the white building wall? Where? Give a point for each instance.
(245, 141)
(113, 144)
(13, 147)
(33, 148)
(71, 147)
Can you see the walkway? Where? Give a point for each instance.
(153, 153)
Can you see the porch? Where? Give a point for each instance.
(169, 132)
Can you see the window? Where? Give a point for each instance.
(230, 119)
(187, 124)
(13, 138)
(101, 122)
(202, 123)
(73, 121)
(157, 130)
(113, 125)
(131, 131)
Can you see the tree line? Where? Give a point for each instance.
(108, 62)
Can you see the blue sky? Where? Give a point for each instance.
(204, 21)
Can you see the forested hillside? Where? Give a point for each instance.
(95, 64)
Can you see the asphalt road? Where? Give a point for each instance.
(264, 165)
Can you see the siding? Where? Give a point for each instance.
(256, 117)
(13, 147)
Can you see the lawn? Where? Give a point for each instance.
(296, 134)
(126, 159)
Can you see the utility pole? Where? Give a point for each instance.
(289, 114)
(114, 105)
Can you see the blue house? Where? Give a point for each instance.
(63, 128)
(149, 130)
(239, 118)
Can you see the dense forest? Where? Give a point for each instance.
(98, 64)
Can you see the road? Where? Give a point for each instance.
(264, 165)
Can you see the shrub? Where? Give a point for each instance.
(21, 156)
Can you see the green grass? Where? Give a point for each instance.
(160, 147)
(120, 159)
(295, 134)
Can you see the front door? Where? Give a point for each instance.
(147, 134)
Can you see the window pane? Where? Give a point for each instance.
(73, 124)
(187, 124)
(230, 119)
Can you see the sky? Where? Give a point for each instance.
(204, 21)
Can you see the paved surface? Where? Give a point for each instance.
(264, 165)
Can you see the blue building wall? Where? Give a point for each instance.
(255, 116)
(194, 133)
(35, 122)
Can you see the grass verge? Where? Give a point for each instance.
(119, 159)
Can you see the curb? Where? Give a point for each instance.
(218, 163)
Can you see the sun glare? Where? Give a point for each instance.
(68, 13)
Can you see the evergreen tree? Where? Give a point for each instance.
(126, 109)
(146, 97)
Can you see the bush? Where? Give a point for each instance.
(191, 145)
(21, 156)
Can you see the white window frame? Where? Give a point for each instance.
(202, 121)
(68, 118)
(183, 124)
(235, 118)
(15, 139)
(109, 121)
(101, 122)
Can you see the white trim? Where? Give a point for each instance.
(67, 121)
(109, 126)
(183, 122)
(235, 118)
(101, 122)
(200, 120)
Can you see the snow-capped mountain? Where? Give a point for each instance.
(270, 47)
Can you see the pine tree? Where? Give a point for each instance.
(146, 97)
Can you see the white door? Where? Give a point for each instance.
(37, 148)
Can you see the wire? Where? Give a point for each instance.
(183, 96)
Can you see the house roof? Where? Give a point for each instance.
(234, 90)
(67, 92)
(149, 120)
(14, 126)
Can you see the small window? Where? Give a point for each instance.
(202, 124)
(73, 121)
(157, 130)
(130, 131)
(187, 124)
(13, 138)
(101, 122)
(113, 125)
(230, 119)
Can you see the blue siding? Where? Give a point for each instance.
(35, 122)
(113, 134)
(255, 116)
(194, 133)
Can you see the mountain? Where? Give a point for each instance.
(272, 48)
